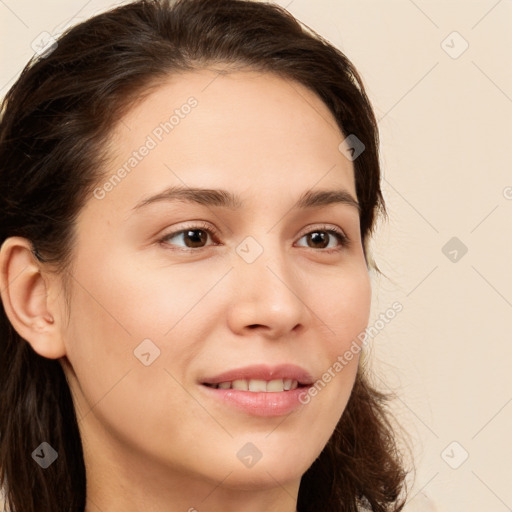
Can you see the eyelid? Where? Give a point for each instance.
(323, 227)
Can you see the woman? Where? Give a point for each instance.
(188, 192)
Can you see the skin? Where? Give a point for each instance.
(152, 439)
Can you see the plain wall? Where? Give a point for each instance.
(445, 118)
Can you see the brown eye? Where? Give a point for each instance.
(322, 239)
(192, 238)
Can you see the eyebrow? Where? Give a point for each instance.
(226, 199)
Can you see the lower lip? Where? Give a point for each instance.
(276, 403)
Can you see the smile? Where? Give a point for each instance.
(256, 385)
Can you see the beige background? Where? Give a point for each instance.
(445, 118)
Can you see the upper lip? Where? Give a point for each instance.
(263, 372)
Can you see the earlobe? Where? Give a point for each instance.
(24, 293)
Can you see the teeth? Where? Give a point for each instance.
(238, 384)
(256, 385)
(275, 385)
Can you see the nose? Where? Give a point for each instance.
(267, 296)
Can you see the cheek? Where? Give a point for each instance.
(344, 307)
(119, 296)
(117, 305)
(114, 308)
(344, 310)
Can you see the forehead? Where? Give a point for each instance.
(244, 130)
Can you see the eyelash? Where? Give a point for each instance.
(342, 238)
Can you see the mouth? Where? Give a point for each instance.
(258, 385)
(261, 378)
(260, 390)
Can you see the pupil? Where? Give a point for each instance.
(319, 237)
(197, 239)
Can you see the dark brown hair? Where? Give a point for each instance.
(55, 120)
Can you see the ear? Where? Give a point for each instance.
(25, 292)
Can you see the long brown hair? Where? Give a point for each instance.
(54, 122)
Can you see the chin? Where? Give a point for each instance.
(265, 477)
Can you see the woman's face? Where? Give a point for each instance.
(172, 292)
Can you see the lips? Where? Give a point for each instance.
(259, 390)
